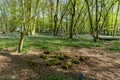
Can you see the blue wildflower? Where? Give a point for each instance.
(81, 76)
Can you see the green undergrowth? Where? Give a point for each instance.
(53, 62)
(63, 60)
(62, 78)
(43, 56)
(46, 42)
(67, 65)
(115, 46)
(8, 41)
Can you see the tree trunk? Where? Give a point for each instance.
(20, 46)
(72, 19)
(116, 19)
(56, 19)
(71, 27)
(96, 30)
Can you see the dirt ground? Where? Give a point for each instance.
(102, 64)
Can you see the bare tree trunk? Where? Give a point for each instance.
(72, 19)
(51, 13)
(56, 19)
(21, 41)
(114, 31)
(96, 35)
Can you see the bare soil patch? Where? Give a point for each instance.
(102, 64)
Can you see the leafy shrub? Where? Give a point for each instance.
(53, 62)
(43, 56)
(75, 61)
(67, 65)
(60, 57)
(115, 46)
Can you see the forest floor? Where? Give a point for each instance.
(101, 64)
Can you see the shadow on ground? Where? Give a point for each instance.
(14, 66)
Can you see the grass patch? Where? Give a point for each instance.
(45, 42)
(55, 77)
(115, 46)
(6, 42)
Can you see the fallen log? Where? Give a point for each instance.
(109, 38)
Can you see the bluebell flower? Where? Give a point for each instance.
(81, 76)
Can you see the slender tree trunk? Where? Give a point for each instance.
(67, 29)
(56, 19)
(90, 18)
(51, 13)
(21, 41)
(115, 24)
(72, 26)
(72, 19)
(96, 36)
